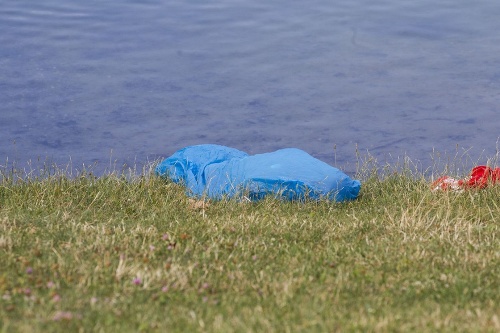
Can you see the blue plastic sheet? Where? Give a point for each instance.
(218, 172)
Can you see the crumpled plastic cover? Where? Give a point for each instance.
(480, 176)
(218, 172)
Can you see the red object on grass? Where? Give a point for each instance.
(447, 183)
(480, 177)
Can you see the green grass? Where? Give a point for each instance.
(130, 254)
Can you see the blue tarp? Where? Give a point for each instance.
(218, 172)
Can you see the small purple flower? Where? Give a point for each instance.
(165, 237)
(29, 270)
(137, 281)
(164, 289)
(51, 285)
(56, 298)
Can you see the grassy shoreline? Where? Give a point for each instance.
(131, 254)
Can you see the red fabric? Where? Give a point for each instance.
(495, 176)
(447, 183)
(480, 177)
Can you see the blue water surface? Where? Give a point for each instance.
(126, 82)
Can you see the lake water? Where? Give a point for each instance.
(125, 82)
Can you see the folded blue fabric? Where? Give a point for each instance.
(218, 172)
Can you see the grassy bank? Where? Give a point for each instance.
(114, 254)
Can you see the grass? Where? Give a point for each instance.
(131, 254)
